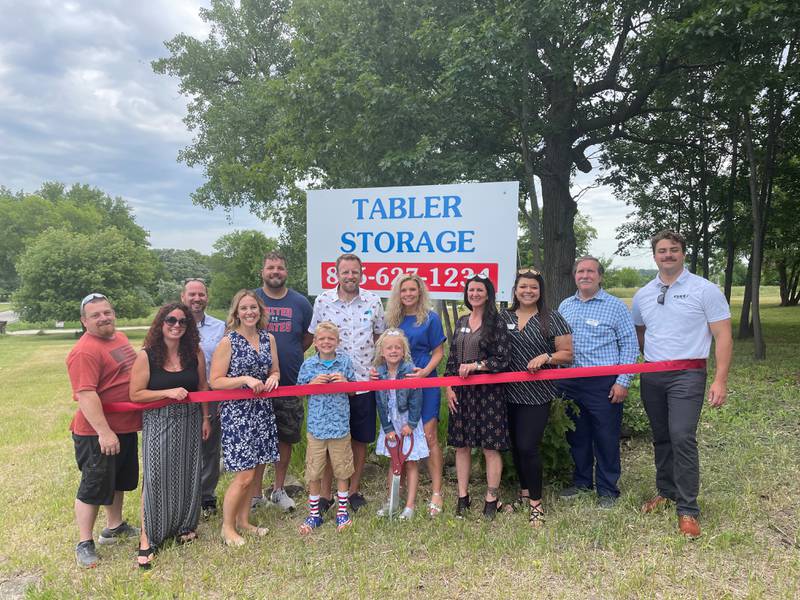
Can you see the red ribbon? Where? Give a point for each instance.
(427, 382)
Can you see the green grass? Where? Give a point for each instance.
(750, 453)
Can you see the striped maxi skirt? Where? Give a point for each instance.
(171, 438)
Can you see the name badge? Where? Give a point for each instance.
(592, 322)
(465, 330)
(510, 325)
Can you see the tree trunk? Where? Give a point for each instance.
(730, 242)
(441, 308)
(745, 327)
(760, 348)
(783, 281)
(558, 218)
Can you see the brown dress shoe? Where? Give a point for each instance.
(689, 526)
(654, 503)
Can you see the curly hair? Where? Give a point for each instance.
(394, 308)
(189, 344)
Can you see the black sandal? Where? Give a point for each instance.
(147, 553)
(536, 518)
(490, 509)
(463, 505)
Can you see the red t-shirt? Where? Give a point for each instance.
(103, 366)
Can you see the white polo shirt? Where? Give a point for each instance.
(678, 329)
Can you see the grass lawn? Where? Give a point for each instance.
(750, 453)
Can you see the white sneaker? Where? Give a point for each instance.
(256, 502)
(282, 499)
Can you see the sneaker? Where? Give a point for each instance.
(120, 532)
(86, 555)
(256, 502)
(357, 501)
(310, 524)
(343, 521)
(462, 506)
(572, 492)
(281, 499)
(407, 514)
(606, 501)
(383, 511)
(324, 505)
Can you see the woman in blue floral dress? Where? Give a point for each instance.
(245, 358)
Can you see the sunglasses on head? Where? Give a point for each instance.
(528, 271)
(172, 321)
(190, 279)
(91, 297)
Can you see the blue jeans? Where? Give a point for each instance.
(594, 444)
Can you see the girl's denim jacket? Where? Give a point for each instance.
(407, 399)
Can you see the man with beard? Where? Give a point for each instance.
(195, 296)
(106, 445)
(289, 317)
(676, 315)
(359, 315)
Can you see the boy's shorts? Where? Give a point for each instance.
(289, 418)
(363, 417)
(317, 451)
(101, 474)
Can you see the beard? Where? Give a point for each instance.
(275, 283)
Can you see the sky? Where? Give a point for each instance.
(80, 103)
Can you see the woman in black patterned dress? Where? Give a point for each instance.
(170, 365)
(540, 339)
(480, 344)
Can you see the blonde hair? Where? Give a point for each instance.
(391, 333)
(233, 321)
(327, 326)
(394, 308)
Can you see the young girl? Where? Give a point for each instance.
(400, 412)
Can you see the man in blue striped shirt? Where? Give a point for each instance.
(602, 334)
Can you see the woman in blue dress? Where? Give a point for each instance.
(245, 358)
(409, 309)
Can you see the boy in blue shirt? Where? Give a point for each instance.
(328, 427)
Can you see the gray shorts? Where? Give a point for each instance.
(289, 415)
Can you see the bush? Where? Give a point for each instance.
(60, 267)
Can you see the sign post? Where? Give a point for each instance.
(444, 233)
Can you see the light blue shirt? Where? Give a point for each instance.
(602, 332)
(328, 414)
(211, 332)
(678, 329)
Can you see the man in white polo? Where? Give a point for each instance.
(676, 315)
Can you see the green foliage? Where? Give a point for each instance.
(80, 209)
(634, 418)
(175, 267)
(236, 263)
(60, 267)
(556, 458)
(626, 277)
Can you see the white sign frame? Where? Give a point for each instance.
(445, 233)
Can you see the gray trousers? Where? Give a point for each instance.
(673, 401)
(209, 474)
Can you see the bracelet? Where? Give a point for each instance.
(206, 416)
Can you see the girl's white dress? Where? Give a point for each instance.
(398, 419)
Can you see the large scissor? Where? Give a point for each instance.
(398, 458)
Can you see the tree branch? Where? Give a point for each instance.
(609, 79)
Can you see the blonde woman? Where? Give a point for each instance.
(245, 358)
(409, 309)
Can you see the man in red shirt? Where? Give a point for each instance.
(106, 445)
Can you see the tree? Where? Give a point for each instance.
(80, 209)
(60, 267)
(376, 92)
(236, 263)
(175, 267)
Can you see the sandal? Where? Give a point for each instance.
(434, 510)
(518, 504)
(536, 518)
(490, 508)
(186, 537)
(147, 554)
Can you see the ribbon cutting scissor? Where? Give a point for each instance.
(398, 458)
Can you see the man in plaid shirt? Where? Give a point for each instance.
(603, 334)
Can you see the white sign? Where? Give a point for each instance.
(444, 233)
